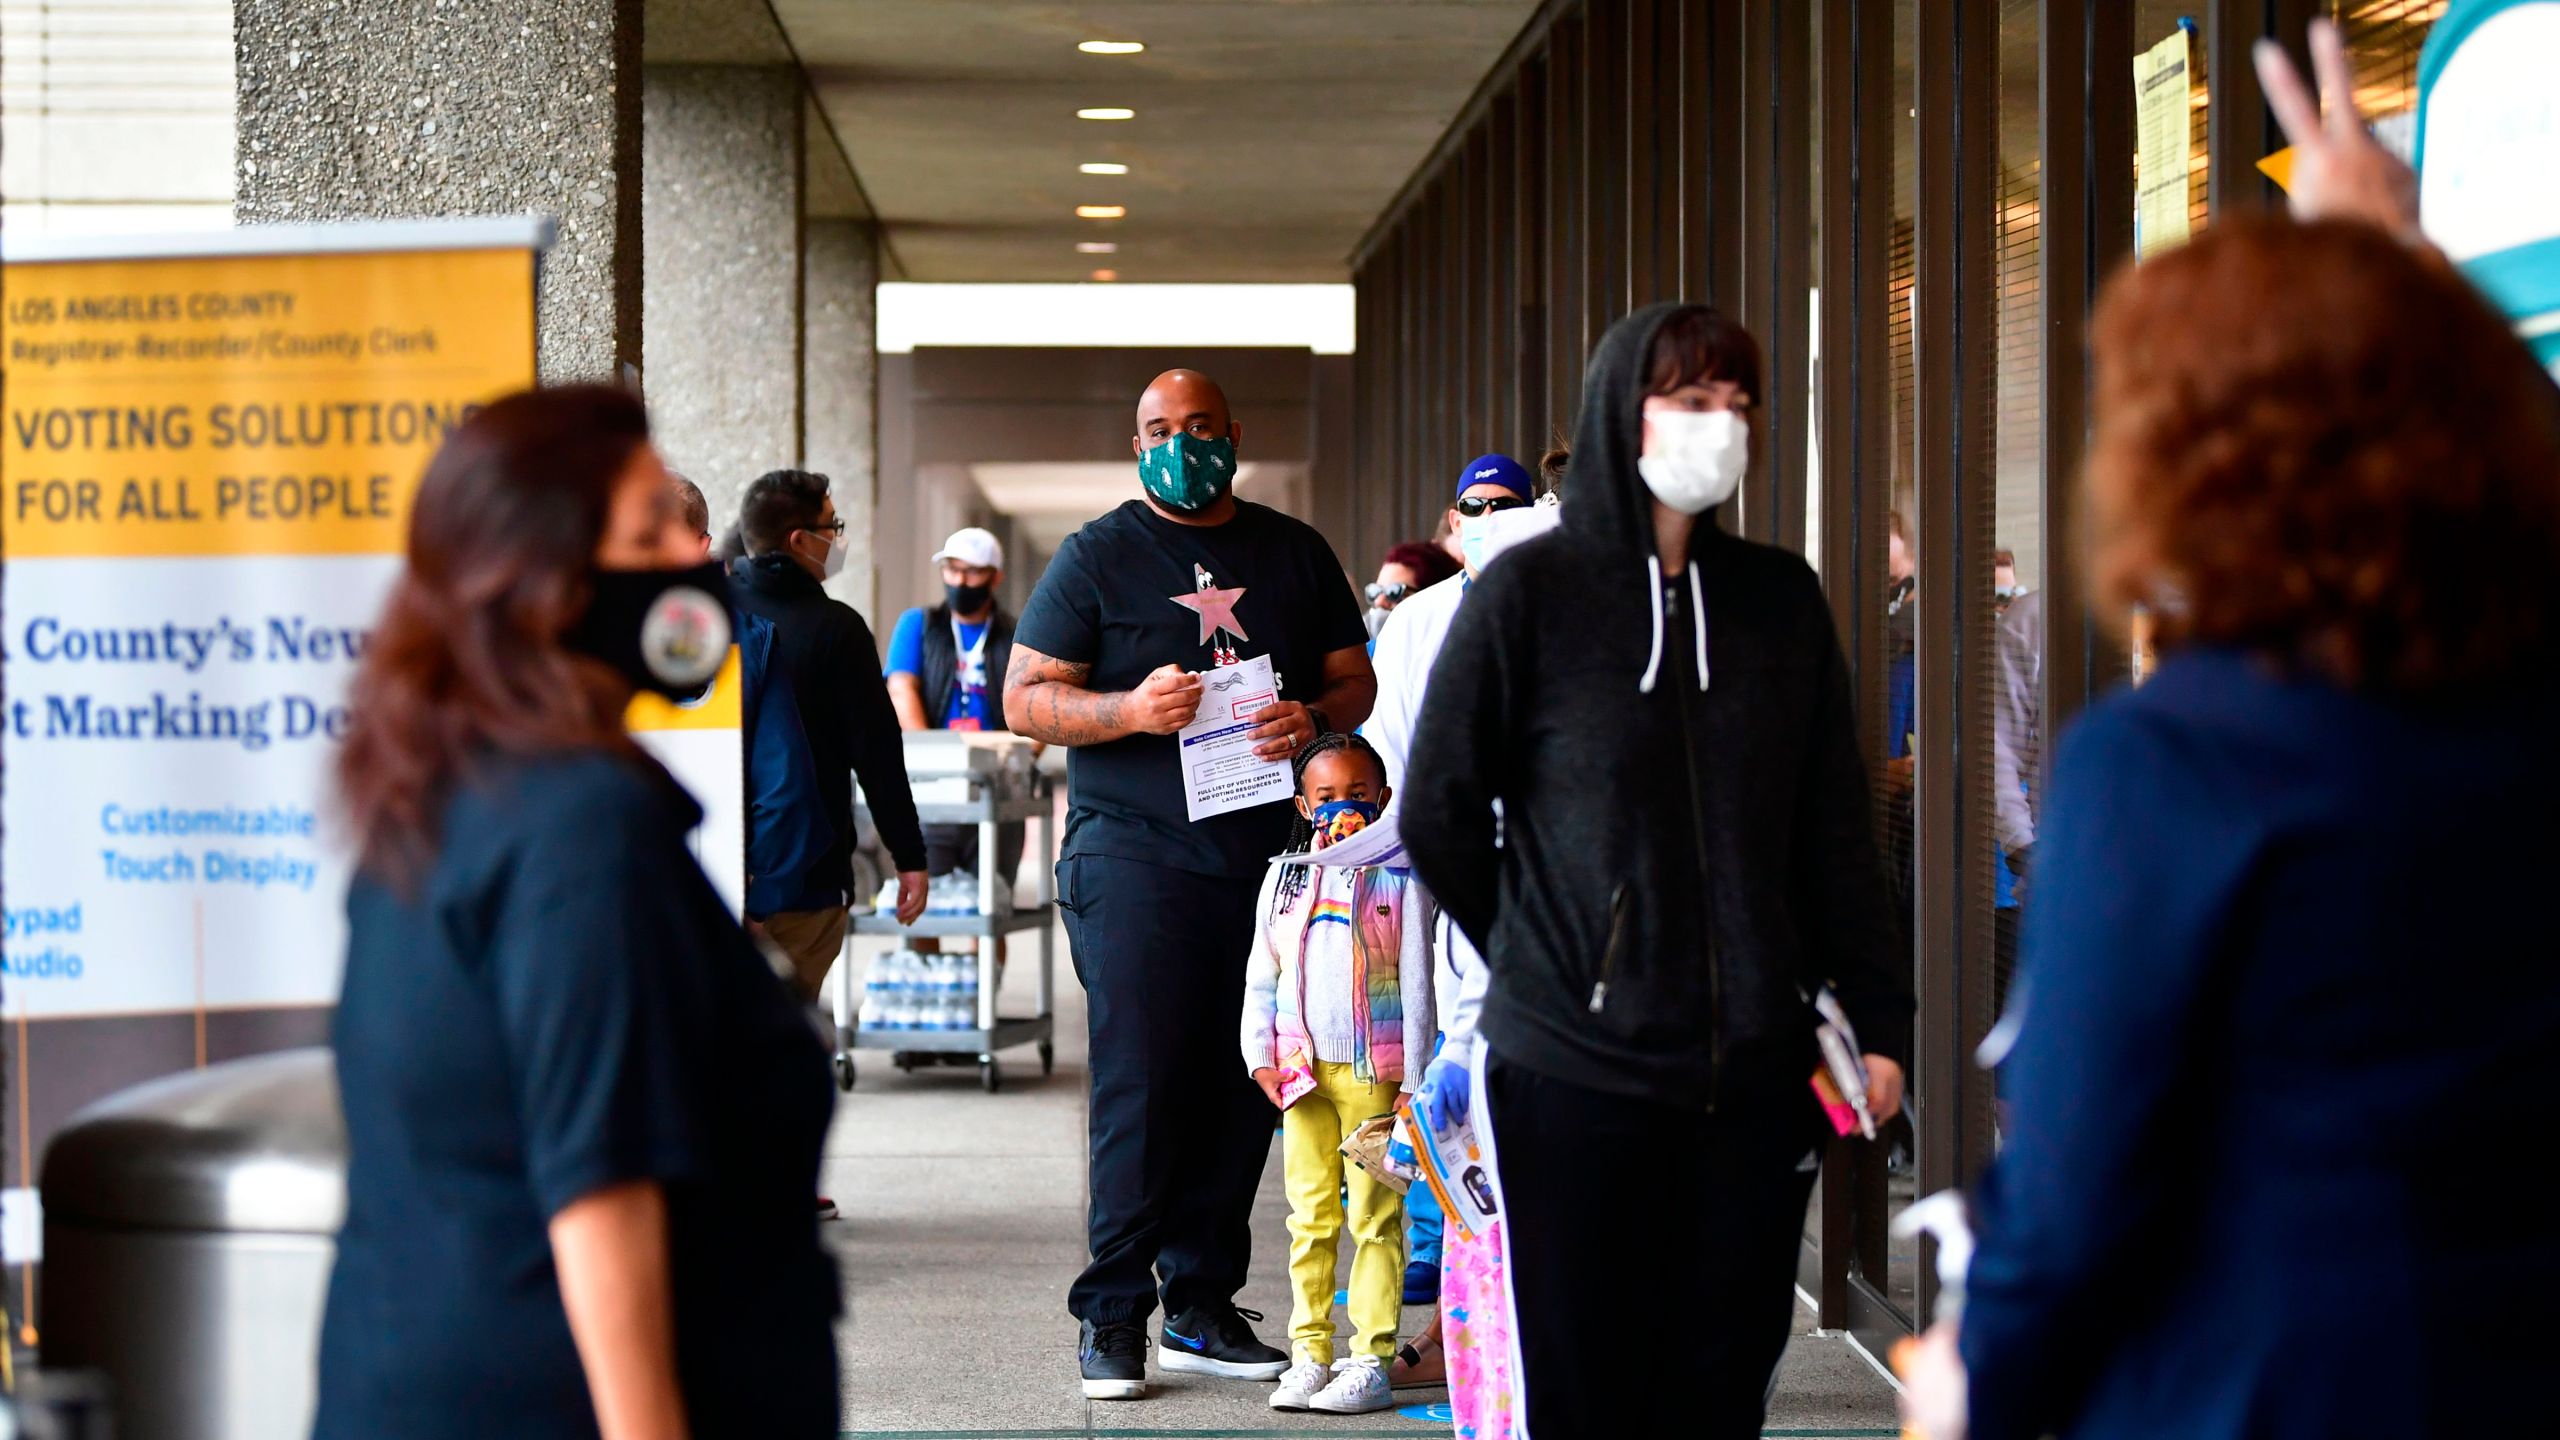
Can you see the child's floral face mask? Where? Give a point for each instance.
(1338, 820)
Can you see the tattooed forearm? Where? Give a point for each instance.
(1045, 698)
(1350, 688)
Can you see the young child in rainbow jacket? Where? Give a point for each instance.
(1337, 1024)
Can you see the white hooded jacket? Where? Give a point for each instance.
(1407, 649)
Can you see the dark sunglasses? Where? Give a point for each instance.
(1387, 592)
(1475, 506)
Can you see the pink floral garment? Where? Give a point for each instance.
(1475, 1331)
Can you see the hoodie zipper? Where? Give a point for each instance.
(1609, 953)
(1706, 893)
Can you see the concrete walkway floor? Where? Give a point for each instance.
(964, 1224)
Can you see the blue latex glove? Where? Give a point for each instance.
(1400, 1156)
(1443, 1095)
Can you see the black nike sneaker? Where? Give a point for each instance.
(1115, 1361)
(1215, 1340)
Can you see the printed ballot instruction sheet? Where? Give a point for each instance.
(1220, 772)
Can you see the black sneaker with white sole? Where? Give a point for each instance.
(1114, 1358)
(1217, 1341)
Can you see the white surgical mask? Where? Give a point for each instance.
(1698, 458)
(833, 565)
(1473, 532)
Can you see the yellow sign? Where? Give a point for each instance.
(718, 709)
(2164, 145)
(245, 404)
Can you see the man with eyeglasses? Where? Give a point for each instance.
(795, 543)
(1407, 645)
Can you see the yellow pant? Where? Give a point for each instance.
(1311, 1135)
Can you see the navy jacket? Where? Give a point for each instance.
(2290, 1013)
(787, 831)
(834, 669)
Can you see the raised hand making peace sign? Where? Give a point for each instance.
(2340, 172)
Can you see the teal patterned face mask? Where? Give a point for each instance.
(1186, 474)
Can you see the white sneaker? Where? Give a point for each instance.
(1298, 1388)
(1359, 1387)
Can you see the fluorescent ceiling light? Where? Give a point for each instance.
(1097, 247)
(1103, 167)
(1318, 317)
(1106, 112)
(1101, 212)
(1111, 47)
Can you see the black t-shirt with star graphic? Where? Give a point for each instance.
(1125, 594)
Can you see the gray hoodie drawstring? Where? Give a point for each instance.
(1697, 623)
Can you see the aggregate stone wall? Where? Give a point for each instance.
(841, 259)
(721, 352)
(397, 109)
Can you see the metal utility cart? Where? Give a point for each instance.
(994, 801)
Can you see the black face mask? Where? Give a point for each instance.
(663, 630)
(967, 599)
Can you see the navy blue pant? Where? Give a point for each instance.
(1178, 1130)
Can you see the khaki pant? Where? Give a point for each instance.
(813, 939)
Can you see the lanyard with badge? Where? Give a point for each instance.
(973, 663)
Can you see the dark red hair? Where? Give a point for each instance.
(466, 662)
(1429, 563)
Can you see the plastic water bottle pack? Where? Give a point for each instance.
(906, 991)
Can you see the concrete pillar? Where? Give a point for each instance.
(398, 109)
(722, 155)
(896, 557)
(841, 362)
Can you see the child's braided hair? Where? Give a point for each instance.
(1302, 834)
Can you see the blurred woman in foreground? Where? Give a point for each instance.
(2289, 994)
(583, 1119)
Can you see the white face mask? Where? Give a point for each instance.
(837, 548)
(1473, 532)
(1698, 458)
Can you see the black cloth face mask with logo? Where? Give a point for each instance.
(666, 631)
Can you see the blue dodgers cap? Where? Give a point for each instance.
(1499, 470)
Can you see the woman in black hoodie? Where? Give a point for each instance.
(1683, 856)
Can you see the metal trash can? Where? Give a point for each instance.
(188, 1229)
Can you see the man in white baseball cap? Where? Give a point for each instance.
(975, 548)
(940, 661)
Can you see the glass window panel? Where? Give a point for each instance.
(1885, 479)
(2010, 678)
(2383, 38)
(1809, 406)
